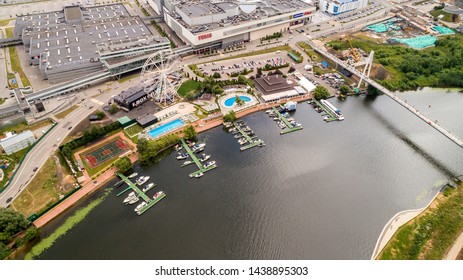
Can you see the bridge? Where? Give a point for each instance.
(6, 42)
(389, 93)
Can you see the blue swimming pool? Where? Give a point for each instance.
(155, 132)
(231, 101)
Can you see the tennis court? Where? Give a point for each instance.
(106, 152)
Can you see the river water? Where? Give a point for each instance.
(324, 192)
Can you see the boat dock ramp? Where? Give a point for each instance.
(131, 186)
(284, 122)
(330, 112)
(202, 168)
(245, 136)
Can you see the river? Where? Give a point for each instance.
(324, 192)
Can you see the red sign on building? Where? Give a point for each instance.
(307, 13)
(204, 36)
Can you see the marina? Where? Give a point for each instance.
(331, 112)
(137, 194)
(245, 136)
(191, 153)
(285, 124)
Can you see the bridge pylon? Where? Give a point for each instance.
(367, 69)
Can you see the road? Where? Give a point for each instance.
(48, 145)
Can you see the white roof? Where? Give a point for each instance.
(300, 90)
(279, 95)
(13, 140)
(306, 84)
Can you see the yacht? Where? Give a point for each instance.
(205, 157)
(130, 197)
(182, 156)
(134, 200)
(238, 136)
(268, 111)
(242, 141)
(156, 195)
(133, 175)
(143, 179)
(199, 150)
(148, 187)
(178, 147)
(209, 163)
(118, 184)
(140, 206)
(199, 175)
(188, 162)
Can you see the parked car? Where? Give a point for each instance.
(35, 169)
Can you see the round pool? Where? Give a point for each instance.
(231, 101)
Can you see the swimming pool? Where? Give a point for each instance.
(155, 132)
(231, 101)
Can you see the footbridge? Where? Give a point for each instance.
(389, 93)
(6, 42)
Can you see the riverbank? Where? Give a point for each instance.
(431, 233)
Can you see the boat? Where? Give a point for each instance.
(178, 147)
(239, 122)
(244, 141)
(291, 119)
(182, 156)
(143, 179)
(133, 175)
(118, 184)
(238, 136)
(208, 164)
(128, 198)
(205, 157)
(233, 130)
(276, 119)
(199, 150)
(140, 206)
(187, 163)
(134, 200)
(200, 174)
(191, 144)
(261, 144)
(148, 187)
(156, 195)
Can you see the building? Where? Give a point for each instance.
(336, 7)
(147, 120)
(275, 87)
(131, 98)
(79, 41)
(156, 5)
(207, 24)
(13, 143)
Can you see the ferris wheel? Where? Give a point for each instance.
(161, 78)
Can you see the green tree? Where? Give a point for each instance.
(371, 90)
(31, 233)
(216, 75)
(239, 101)
(4, 251)
(345, 89)
(123, 164)
(11, 223)
(229, 117)
(320, 92)
(142, 145)
(242, 79)
(189, 133)
(113, 109)
(217, 90)
(67, 152)
(100, 115)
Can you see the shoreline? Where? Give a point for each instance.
(108, 175)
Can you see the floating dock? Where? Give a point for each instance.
(150, 202)
(252, 143)
(331, 115)
(289, 126)
(196, 160)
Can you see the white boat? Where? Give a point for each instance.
(178, 148)
(156, 195)
(209, 163)
(268, 111)
(130, 197)
(199, 175)
(197, 151)
(140, 206)
(142, 180)
(182, 156)
(134, 200)
(205, 157)
(148, 187)
(133, 175)
(188, 162)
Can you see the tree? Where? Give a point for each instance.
(142, 145)
(11, 222)
(217, 90)
(113, 109)
(239, 101)
(291, 69)
(4, 251)
(123, 164)
(242, 79)
(229, 117)
(320, 92)
(216, 75)
(67, 152)
(189, 133)
(345, 89)
(100, 115)
(371, 90)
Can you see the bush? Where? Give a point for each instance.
(189, 133)
(229, 117)
(216, 75)
(321, 92)
(123, 164)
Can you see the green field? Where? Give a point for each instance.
(447, 17)
(4, 22)
(439, 66)
(16, 66)
(9, 32)
(190, 86)
(133, 130)
(24, 126)
(15, 158)
(432, 233)
(262, 51)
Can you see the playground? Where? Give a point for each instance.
(105, 152)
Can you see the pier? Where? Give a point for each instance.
(332, 117)
(196, 160)
(150, 202)
(252, 143)
(289, 126)
(389, 93)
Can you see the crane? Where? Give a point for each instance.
(353, 50)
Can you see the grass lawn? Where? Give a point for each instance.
(23, 126)
(66, 112)
(16, 66)
(133, 130)
(432, 233)
(40, 193)
(4, 22)
(269, 50)
(447, 17)
(15, 158)
(2, 100)
(314, 56)
(9, 32)
(189, 86)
